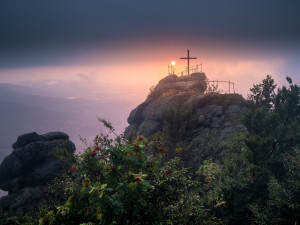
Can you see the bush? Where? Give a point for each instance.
(179, 124)
(119, 182)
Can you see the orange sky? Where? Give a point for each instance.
(132, 71)
(125, 48)
(123, 75)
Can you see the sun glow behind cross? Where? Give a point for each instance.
(119, 71)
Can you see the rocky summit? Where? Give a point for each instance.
(33, 163)
(216, 116)
(215, 111)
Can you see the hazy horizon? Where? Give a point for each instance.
(111, 53)
(99, 58)
(125, 47)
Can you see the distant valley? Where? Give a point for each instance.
(24, 109)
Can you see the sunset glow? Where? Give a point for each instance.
(120, 59)
(134, 77)
(65, 64)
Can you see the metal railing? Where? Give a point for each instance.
(193, 69)
(213, 86)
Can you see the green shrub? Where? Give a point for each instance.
(115, 181)
(178, 125)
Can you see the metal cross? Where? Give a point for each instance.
(188, 59)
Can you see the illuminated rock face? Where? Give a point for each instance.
(172, 84)
(218, 113)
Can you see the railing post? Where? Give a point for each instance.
(233, 88)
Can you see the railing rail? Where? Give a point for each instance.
(213, 86)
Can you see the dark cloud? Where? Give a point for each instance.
(33, 28)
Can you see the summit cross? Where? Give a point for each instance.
(188, 59)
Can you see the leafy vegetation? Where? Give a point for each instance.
(257, 180)
(118, 182)
(178, 125)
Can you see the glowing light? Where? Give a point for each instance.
(173, 63)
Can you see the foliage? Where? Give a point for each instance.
(151, 93)
(276, 131)
(259, 178)
(178, 125)
(256, 181)
(118, 182)
(30, 218)
(263, 94)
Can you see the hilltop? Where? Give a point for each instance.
(208, 158)
(207, 118)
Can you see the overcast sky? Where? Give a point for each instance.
(115, 50)
(233, 33)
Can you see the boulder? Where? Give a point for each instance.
(135, 115)
(26, 138)
(168, 79)
(55, 136)
(154, 110)
(34, 162)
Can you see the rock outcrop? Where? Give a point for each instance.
(34, 162)
(218, 115)
(215, 111)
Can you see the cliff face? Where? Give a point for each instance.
(217, 115)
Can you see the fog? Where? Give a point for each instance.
(109, 82)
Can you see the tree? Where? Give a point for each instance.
(122, 182)
(260, 178)
(263, 94)
(274, 132)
